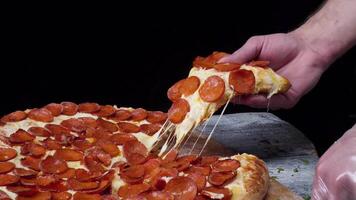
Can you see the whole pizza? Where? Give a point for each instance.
(88, 151)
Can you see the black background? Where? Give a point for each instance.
(129, 56)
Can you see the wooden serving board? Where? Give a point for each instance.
(289, 155)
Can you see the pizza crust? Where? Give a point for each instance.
(252, 179)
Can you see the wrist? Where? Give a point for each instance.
(324, 51)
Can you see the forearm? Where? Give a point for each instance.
(332, 30)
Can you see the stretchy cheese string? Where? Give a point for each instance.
(216, 124)
(201, 133)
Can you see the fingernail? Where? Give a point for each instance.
(224, 59)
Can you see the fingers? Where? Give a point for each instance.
(259, 101)
(250, 50)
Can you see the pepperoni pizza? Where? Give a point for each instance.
(91, 152)
(211, 85)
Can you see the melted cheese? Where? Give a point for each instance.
(199, 109)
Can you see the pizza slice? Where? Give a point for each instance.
(210, 85)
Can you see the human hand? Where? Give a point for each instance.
(335, 177)
(291, 57)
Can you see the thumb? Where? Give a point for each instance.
(249, 51)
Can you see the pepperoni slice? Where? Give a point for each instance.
(36, 196)
(174, 92)
(22, 190)
(128, 127)
(135, 171)
(51, 144)
(182, 188)
(170, 156)
(75, 125)
(121, 115)
(179, 165)
(138, 114)
(220, 178)
(45, 180)
(81, 143)
(84, 196)
(70, 173)
(4, 196)
(92, 164)
(242, 81)
(105, 111)
(127, 191)
(187, 158)
(189, 85)
(31, 162)
(6, 167)
(151, 164)
(69, 108)
(88, 107)
(208, 160)
(259, 63)
(21, 136)
(53, 165)
(83, 175)
(58, 186)
(133, 174)
(135, 152)
(212, 89)
(159, 195)
(178, 111)
(214, 192)
(6, 179)
(7, 154)
(41, 114)
(109, 147)
(80, 186)
(28, 181)
(98, 134)
(108, 197)
(227, 67)
(57, 129)
(68, 155)
(150, 129)
(199, 180)
(156, 117)
(122, 138)
(209, 61)
(24, 172)
(61, 196)
(14, 117)
(202, 170)
(216, 56)
(39, 131)
(33, 149)
(65, 140)
(89, 122)
(202, 62)
(226, 165)
(55, 108)
(103, 185)
(106, 125)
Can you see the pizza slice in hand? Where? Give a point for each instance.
(211, 85)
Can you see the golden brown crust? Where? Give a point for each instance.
(278, 191)
(252, 181)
